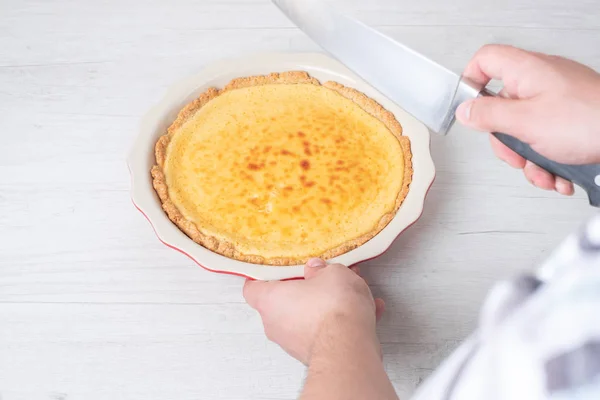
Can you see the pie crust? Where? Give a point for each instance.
(222, 245)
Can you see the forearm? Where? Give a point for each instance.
(346, 364)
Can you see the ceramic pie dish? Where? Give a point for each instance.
(311, 68)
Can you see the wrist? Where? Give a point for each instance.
(344, 332)
(346, 363)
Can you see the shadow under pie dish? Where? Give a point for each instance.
(276, 169)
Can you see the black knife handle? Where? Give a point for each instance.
(585, 176)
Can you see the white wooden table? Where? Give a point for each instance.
(93, 307)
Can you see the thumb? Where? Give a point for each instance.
(496, 114)
(313, 267)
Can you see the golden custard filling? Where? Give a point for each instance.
(276, 173)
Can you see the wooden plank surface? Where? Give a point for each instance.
(92, 306)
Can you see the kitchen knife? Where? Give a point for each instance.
(425, 89)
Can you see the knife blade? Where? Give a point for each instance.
(425, 89)
(422, 87)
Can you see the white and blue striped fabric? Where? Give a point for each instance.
(538, 336)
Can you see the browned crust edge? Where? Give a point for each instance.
(227, 249)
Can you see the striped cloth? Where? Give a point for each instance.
(538, 335)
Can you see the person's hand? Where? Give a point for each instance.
(548, 102)
(332, 298)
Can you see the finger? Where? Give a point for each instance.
(356, 269)
(313, 267)
(379, 308)
(564, 187)
(497, 114)
(256, 291)
(539, 176)
(504, 93)
(495, 62)
(506, 154)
